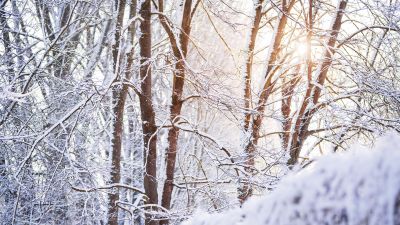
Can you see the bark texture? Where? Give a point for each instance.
(180, 49)
(147, 111)
(119, 94)
(313, 94)
(245, 191)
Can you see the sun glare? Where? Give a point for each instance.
(301, 49)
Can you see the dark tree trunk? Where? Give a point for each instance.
(5, 33)
(147, 111)
(118, 104)
(176, 103)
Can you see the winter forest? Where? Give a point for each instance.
(201, 112)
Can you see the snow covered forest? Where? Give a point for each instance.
(146, 112)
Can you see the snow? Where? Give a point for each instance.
(6, 93)
(356, 187)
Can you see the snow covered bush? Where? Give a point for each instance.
(359, 187)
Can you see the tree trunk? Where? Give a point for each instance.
(314, 91)
(288, 86)
(176, 102)
(249, 64)
(5, 33)
(245, 191)
(147, 111)
(118, 104)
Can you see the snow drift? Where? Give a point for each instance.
(359, 187)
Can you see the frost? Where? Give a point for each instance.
(357, 187)
(7, 94)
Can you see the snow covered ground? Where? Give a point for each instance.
(353, 188)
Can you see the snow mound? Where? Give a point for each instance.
(359, 187)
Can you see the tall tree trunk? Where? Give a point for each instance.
(147, 111)
(249, 64)
(287, 90)
(5, 33)
(118, 104)
(245, 191)
(176, 100)
(314, 92)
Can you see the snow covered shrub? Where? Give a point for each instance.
(359, 187)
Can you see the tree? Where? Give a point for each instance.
(125, 111)
(179, 47)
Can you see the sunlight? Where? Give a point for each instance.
(301, 49)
